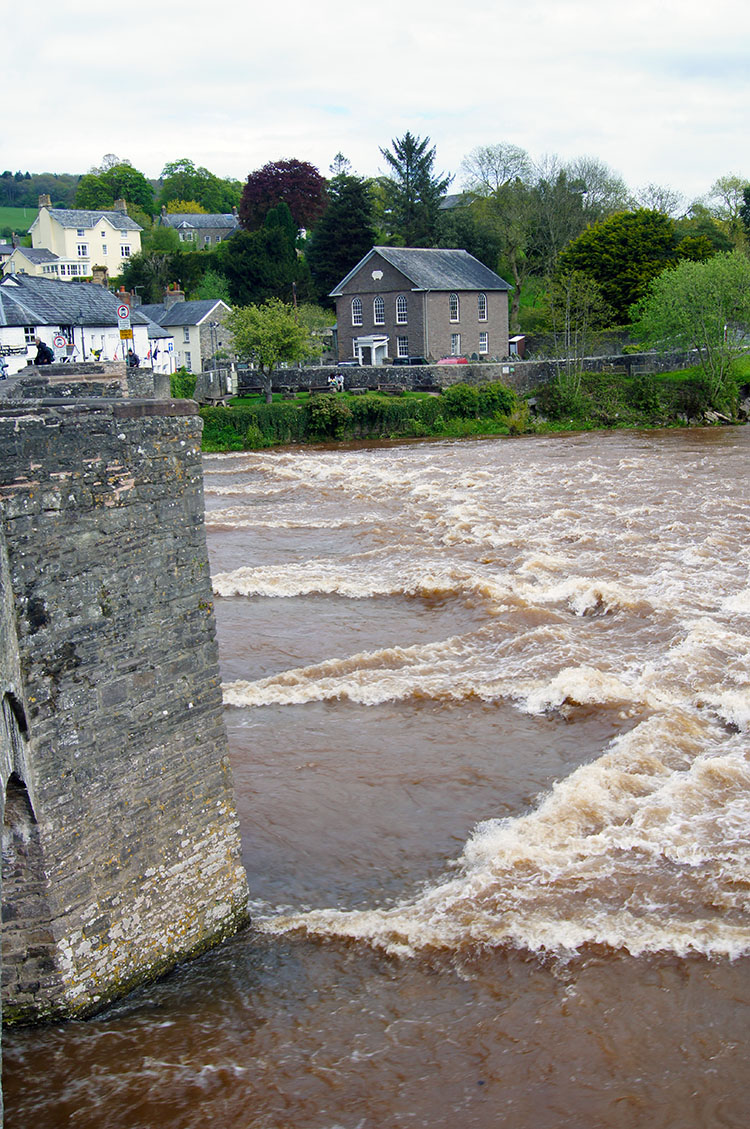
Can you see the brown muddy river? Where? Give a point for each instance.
(488, 705)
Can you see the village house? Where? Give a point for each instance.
(69, 242)
(403, 302)
(78, 320)
(202, 231)
(198, 329)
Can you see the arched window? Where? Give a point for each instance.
(454, 307)
(482, 306)
(378, 311)
(401, 310)
(356, 311)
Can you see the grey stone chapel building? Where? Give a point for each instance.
(413, 301)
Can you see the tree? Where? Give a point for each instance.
(623, 253)
(413, 190)
(727, 193)
(489, 167)
(268, 334)
(345, 233)
(298, 184)
(185, 208)
(258, 265)
(119, 181)
(212, 285)
(702, 306)
(576, 308)
(181, 180)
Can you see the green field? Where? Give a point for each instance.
(18, 219)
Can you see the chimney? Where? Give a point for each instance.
(120, 206)
(100, 275)
(45, 200)
(234, 210)
(173, 295)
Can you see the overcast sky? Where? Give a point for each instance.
(658, 91)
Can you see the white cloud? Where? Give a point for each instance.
(657, 93)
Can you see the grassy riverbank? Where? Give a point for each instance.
(584, 402)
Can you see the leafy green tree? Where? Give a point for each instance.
(181, 180)
(268, 334)
(726, 197)
(345, 233)
(622, 254)
(701, 306)
(413, 190)
(212, 285)
(114, 180)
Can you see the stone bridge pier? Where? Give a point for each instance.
(120, 848)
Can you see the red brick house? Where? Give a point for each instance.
(410, 301)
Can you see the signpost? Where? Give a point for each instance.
(123, 320)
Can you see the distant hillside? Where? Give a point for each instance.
(22, 190)
(16, 219)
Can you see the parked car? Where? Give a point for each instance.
(453, 361)
(410, 360)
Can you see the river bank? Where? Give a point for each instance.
(578, 402)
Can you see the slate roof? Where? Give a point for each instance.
(196, 220)
(38, 254)
(84, 218)
(182, 313)
(433, 269)
(25, 300)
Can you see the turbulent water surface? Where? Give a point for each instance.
(488, 706)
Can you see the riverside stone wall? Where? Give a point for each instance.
(120, 845)
(522, 376)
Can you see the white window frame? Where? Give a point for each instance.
(80, 232)
(454, 307)
(186, 334)
(29, 334)
(484, 343)
(455, 344)
(83, 250)
(402, 310)
(378, 311)
(356, 311)
(188, 362)
(402, 346)
(125, 251)
(482, 307)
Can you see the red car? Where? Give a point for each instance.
(453, 361)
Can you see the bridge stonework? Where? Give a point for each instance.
(121, 853)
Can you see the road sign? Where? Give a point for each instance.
(123, 317)
(126, 334)
(59, 341)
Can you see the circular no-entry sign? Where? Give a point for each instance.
(59, 341)
(123, 312)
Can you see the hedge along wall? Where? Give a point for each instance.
(324, 417)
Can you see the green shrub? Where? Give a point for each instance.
(496, 399)
(460, 401)
(182, 384)
(327, 417)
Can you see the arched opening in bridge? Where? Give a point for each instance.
(28, 945)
